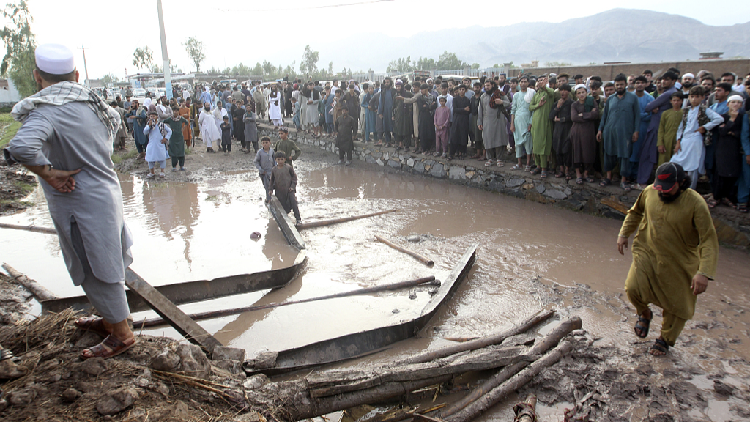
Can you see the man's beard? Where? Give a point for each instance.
(620, 92)
(687, 85)
(668, 199)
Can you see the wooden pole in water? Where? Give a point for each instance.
(224, 312)
(322, 223)
(32, 286)
(415, 255)
(28, 228)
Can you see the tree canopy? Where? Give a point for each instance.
(309, 63)
(195, 51)
(19, 62)
(143, 58)
(446, 61)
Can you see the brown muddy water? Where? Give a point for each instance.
(531, 256)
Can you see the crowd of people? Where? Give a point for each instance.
(572, 128)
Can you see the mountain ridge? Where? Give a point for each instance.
(607, 36)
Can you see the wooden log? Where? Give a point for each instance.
(322, 223)
(286, 224)
(415, 255)
(539, 348)
(615, 205)
(481, 342)
(167, 310)
(224, 312)
(526, 410)
(32, 286)
(517, 381)
(302, 409)
(34, 229)
(331, 383)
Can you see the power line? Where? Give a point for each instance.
(330, 6)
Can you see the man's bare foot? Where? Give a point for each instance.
(660, 347)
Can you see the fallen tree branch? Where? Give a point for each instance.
(551, 340)
(322, 223)
(415, 255)
(34, 229)
(481, 342)
(517, 381)
(224, 312)
(334, 382)
(32, 286)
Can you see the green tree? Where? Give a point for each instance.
(18, 62)
(401, 65)
(426, 64)
(475, 66)
(143, 58)
(194, 49)
(449, 61)
(309, 62)
(557, 64)
(110, 79)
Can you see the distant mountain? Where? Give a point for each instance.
(614, 35)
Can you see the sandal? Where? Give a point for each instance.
(605, 182)
(544, 174)
(659, 348)
(5, 354)
(568, 176)
(516, 167)
(500, 163)
(642, 326)
(727, 202)
(579, 181)
(93, 324)
(527, 168)
(742, 208)
(110, 347)
(488, 163)
(536, 171)
(590, 179)
(559, 175)
(624, 186)
(710, 201)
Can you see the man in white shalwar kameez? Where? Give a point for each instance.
(209, 132)
(274, 106)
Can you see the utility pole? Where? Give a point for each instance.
(164, 53)
(86, 69)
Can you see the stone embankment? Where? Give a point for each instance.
(732, 227)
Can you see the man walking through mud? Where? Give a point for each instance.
(66, 139)
(674, 253)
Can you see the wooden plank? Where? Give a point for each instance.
(196, 291)
(365, 342)
(286, 224)
(32, 286)
(167, 310)
(322, 223)
(418, 257)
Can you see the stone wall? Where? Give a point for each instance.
(610, 201)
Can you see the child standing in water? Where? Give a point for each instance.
(284, 182)
(264, 162)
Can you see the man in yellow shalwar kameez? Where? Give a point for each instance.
(674, 253)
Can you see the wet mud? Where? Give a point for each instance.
(196, 225)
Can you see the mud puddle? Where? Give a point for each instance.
(531, 256)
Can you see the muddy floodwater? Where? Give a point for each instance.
(531, 256)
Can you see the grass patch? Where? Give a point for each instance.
(8, 129)
(24, 187)
(117, 157)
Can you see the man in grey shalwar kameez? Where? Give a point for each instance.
(66, 139)
(492, 122)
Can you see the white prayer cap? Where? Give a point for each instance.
(735, 98)
(579, 86)
(55, 59)
(688, 75)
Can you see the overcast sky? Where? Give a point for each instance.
(235, 31)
